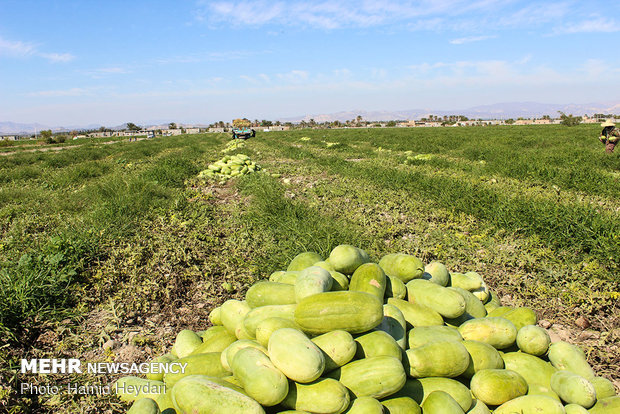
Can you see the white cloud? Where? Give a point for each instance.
(21, 49)
(62, 92)
(249, 79)
(16, 48)
(594, 67)
(442, 75)
(470, 39)
(536, 14)
(257, 12)
(489, 72)
(598, 70)
(525, 59)
(335, 14)
(378, 73)
(593, 25)
(427, 25)
(294, 76)
(57, 57)
(461, 16)
(112, 70)
(210, 57)
(342, 72)
(106, 71)
(426, 67)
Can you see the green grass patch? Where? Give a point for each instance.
(61, 212)
(583, 230)
(287, 227)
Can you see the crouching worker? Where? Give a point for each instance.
(609, 136)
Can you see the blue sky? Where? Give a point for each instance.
(86, 62)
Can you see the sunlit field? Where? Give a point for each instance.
(123, 244)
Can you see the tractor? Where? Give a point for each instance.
(242, 129)
(243, 133)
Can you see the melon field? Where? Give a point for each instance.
(109, 249)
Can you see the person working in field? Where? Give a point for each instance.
(609, 136)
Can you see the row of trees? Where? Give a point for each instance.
(360, 122)
(605, 116)
(568, 120)
(255, 123)
(453, 119)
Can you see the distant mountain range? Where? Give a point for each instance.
(8, 128)
(17, 128)
(495, 111)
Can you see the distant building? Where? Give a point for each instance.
(586, 120)
(467, 123)
(175, 131)
(101, 134)
(524, 122)
(9, 138)
(278, 128)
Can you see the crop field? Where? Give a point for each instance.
(108, 250)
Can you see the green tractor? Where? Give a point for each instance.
(242, 129)
(243, 133)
